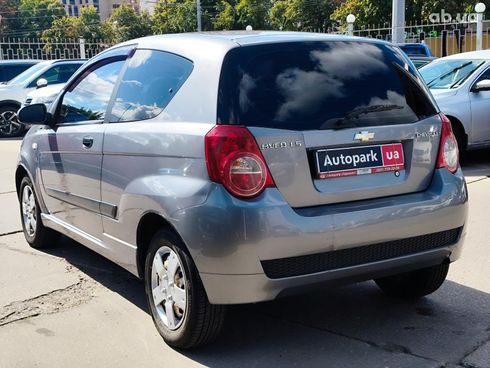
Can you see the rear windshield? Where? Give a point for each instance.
(414, 50)
(320, 85)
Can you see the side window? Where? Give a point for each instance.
(57, 74)
(89, 98)
(485, 75)
(149, 84)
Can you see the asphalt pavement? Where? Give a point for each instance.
(69, 307)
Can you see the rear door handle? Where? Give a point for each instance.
(88, 141)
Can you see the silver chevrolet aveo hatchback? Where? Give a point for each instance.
(230, 168)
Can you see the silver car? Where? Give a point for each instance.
(229, 168)
(461, 86)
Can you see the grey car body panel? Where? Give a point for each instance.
(70, 175)
(290, 166)
(158, 166)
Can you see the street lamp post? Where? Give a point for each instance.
(351, 18)
(480, 9)
(398, 21)
(198, 15)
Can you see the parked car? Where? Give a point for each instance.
(236, 167)
(45, 95)
(420, 61)
(11, 68)
(461, 86)
(415, 49)
(14, 92)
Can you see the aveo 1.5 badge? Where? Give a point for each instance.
(340, 162)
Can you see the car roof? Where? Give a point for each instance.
(201, 44)
(478, 55)
(19, 61)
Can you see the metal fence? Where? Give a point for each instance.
(443, 38)
(26, 48)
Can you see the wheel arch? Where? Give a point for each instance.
(149, 224)
(5, 103)
(456, 122)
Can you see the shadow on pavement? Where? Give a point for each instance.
(325, 325)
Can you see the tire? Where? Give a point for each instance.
(414, 284)
(460, 138)
(9, 124)
(36, 234)
(193, 321)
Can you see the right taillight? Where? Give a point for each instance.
(233, 159)
(448, 146)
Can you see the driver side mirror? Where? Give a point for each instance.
(41, 82)
(483, 85)
(35, 114)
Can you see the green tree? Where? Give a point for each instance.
(254, 13)
(225, 17)
(35, 16)
(10, 21)
(174, 16)
(367, 12)
(282, 16)
(128, 24)
(87, 26)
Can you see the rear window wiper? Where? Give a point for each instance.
(348, 120)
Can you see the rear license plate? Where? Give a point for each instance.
(350, 161)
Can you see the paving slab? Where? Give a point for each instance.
(26, 275)
(9, 213)
(9, 150)
(115, 333)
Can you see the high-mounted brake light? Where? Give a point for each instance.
(448, 147)
(233, 159)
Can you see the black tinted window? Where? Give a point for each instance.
(58, 74)
(89, 98)
(484, 76)
(149, 84)
(7, 72)
(320, 85)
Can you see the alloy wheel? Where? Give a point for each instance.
(29, 216)
(9, 124)
(169, 288)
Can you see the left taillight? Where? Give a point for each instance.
(233, 159)
(448, 146)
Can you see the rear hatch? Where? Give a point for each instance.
(336, 121)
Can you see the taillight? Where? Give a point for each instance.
(234, 160)
(448, 146)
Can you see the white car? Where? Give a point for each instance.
(45, 95)
(13, 93)
(461, 86)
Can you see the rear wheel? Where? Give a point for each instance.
(36, 234)
(176, 297)
(9, 124)
(414, 284)
(460, 138)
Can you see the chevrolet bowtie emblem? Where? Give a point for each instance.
(364, 136)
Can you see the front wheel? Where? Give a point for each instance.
(176, 297)
(414, 284)
(9, 124)
(36, 234)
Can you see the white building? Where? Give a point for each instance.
(105, 7)
(148, 5)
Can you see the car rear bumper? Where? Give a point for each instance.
(251, 251)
